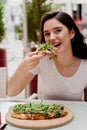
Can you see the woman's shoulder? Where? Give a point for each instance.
(84, 61)
(45, 59)
(46, 62)
(84, 64)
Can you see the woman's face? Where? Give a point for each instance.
(57, 33)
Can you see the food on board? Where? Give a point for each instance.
(38, 111)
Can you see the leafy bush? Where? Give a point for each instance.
(2, 26)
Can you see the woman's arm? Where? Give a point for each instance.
(18, 82)
(22, 76)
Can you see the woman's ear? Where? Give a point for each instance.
(72, 33)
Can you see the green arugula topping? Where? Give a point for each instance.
(38, 108)
(46, 46)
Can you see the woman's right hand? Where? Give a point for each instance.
(32, 59)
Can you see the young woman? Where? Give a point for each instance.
(64, 78)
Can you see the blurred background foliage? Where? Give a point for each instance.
(2, 25)
(35, 9)
(19, 29)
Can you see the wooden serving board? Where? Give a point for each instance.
(40, 124)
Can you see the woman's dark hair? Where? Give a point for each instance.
(79, 47)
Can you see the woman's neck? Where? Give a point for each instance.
(66, 61)
(67, 66)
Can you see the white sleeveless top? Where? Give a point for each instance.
(57, 87)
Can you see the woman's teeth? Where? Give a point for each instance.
(56, 45)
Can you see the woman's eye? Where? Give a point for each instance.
(46, 34)
(58, 30)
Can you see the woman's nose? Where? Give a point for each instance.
(52, 36)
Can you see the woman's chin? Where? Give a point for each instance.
(60, 50)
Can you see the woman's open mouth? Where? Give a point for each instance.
(57, 44)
